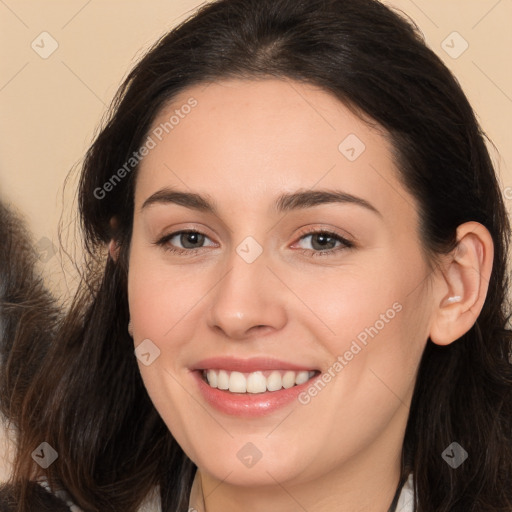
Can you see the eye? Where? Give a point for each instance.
(324, 243)
(189, 239)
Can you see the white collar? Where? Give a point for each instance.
(152, 502)
(406, 499)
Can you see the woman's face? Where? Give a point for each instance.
(306, 264)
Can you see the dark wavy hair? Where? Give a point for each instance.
(29, 313)
(88, 400)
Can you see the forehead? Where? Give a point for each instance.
(248, 141)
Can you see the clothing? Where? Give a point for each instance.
(406, 500)
(196, 502)
(62, 495)
(150, 504)
(39, 499)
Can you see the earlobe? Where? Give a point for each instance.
(113, 249)
(113, 246)
(462, 284)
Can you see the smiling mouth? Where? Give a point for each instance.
(256, 382)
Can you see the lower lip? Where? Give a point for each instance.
(249, 405)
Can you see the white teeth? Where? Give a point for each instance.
(237, 383)
(288, 380)
(222, 380)
(212, 378)
(256, 382)
(301, 378)
(274, 381)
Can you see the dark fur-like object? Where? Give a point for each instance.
(28, 317)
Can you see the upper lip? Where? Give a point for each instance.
(248, 365)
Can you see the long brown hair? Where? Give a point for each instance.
(29, 313)
(88, 400)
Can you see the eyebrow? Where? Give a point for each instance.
(284, 203)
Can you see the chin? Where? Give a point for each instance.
(252, 461)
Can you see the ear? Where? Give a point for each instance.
(462, 284)
(113, 249)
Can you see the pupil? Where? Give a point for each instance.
(323, 240)
(189, 239)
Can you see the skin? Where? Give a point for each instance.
(245, 143)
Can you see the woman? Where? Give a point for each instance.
(303, 299)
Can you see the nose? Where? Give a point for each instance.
(248, 300)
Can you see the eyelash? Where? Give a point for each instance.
(163, 242)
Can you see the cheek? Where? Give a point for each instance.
(349, 302)
(160, 295)
(161, 300)
(373, 321)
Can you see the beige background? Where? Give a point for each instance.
(51, 107)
